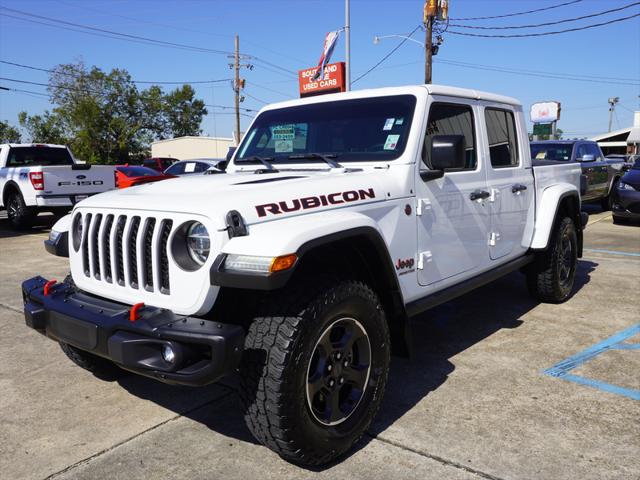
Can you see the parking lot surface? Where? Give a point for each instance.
(500, 387)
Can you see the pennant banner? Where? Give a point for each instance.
(329, 44)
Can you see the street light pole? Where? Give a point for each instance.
(428, 44)
(347, 43)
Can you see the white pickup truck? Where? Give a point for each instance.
(339, 218)
(45, 177)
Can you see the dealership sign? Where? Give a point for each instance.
(333, 81)
(545, 112)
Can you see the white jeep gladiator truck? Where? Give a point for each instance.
(338, 219)
(45, 177)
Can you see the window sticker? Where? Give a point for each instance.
(399, 121)
(392, 142)
(284, 132)
(284, 146)
(190, 168)
(388, 124)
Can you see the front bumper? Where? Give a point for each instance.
(627, 204)
(204, 350)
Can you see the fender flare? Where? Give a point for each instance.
(551, 199)
(303, 235)
(11, 184)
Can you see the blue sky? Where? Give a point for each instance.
(288, 34)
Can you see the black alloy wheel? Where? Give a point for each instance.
(338, 371)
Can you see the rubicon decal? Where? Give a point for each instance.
(286, 206)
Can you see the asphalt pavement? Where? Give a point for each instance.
(500, 387)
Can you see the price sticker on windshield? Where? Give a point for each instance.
(284, 132)
(392, 142)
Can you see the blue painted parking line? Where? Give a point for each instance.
(615, 342)
(612, 252)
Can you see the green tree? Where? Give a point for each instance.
(45, 128)
(103, 116)
(9, 133)
(183, 112)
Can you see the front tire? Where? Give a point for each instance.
(314, 369)
(20, 216)
(551, 276)
(100, 367)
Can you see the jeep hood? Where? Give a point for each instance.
(257, 197)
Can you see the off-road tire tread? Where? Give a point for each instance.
(541, 277)
(263, 392)
(101, 367)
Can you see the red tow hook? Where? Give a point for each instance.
(134, 312)
(48, 286)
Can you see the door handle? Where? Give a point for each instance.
(518, 188)
(479, 195)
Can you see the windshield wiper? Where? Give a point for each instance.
(311, 155)
(266, 161)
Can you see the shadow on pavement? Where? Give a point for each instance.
(42, 224)
(438, 335)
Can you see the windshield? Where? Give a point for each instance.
(38, 156)
(363, 129)
(552, 151)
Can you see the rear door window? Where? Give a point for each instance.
(176, 169)
(503, 142)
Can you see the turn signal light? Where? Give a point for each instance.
(37, 180)
(284, 262)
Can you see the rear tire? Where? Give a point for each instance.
(551, 276)
(304, 358)
(20, 216)
(100, 367)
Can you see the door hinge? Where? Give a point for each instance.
(494, 237)
(424, 257)
(423, 204)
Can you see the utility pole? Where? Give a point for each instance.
(347, 43)
(428, 50)
(612, 105)
(236, 86)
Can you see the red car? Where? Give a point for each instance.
(159, 163)
(128, 176)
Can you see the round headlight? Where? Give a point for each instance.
(198, 243)
(76, 231)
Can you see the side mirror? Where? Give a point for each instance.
(447, 152)
(588, 158)
(230, 153)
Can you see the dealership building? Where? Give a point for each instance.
(186, 148)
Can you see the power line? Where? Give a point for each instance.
(567, 20)
(523, 35)
(31, 67)
(88, 29)
(31, 92)
(534, 73)
(387, 55)
(519, 13)
(259, 85)
(255, 98)
(224, 107)
(126, 36)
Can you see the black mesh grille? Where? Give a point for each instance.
(119, 257)
(107, 248)
(165, 230)
(133, 253)
(85, 244)
(148, 254)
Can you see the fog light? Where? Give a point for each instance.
(168, 354)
